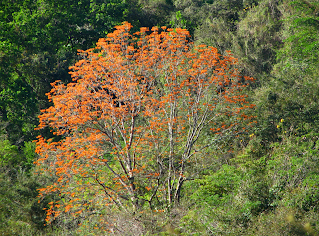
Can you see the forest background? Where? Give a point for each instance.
(263, 181)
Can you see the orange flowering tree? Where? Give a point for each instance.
(130, 124)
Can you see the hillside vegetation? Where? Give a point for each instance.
(159, 117)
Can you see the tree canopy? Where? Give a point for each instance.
(130, 123)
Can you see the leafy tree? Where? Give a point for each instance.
(130, 125)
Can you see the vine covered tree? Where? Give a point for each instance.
(129, 128)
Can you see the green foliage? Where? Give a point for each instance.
(211, 22)
(294, 167)
(155, 12)
(242, 198)
(258, 37)
(301, 31)
(180, 21)
(9, 154)
(228, 199)
(263, 182)
(285, 222)
(13, 158)
(20, 212)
